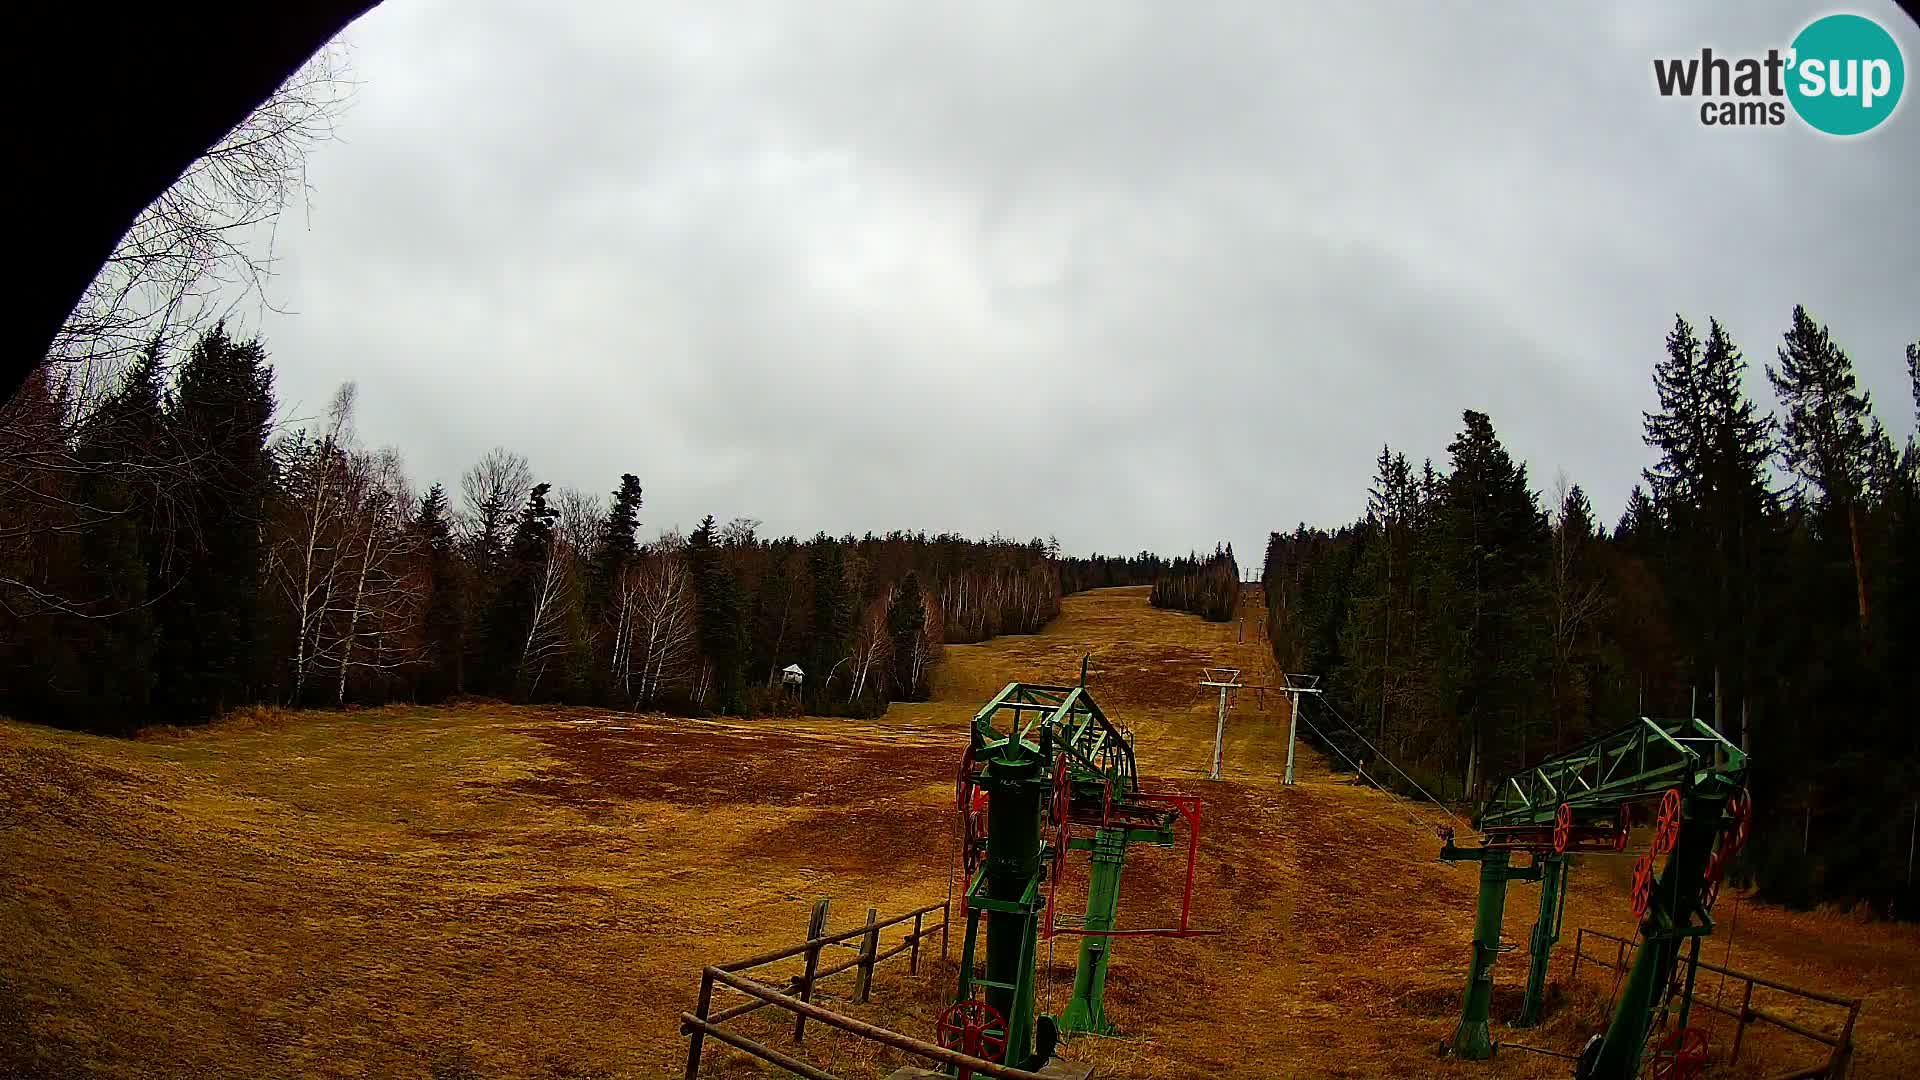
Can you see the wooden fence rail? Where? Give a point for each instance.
(797, 996)
(1840, 1046)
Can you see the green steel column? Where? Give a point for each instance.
(1013, 858)
(1546, 932)
(1087, 1009)
(1471, 1039)
(1675, 894)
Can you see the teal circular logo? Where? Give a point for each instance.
(1846, 74)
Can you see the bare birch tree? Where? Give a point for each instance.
(491, 493)
(665, 635)
(872, 645)
(554, 599)
(206, 243)
(304, 557)
(387, 600)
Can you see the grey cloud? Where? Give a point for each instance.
(853, 266)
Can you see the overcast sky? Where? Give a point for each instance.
(1139, 275)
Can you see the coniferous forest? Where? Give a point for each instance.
(1763, 575)
(1209, 587)
(167, 554)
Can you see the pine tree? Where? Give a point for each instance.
(830, 625)
(218, 417)
(606, 618)
(118, 638)
(1495, 543)
(775, 615)
(515, 606)
(1639, 523)
(722, 622)
(446, 617)
(1710, 489)
(1824, 438)
(907, 627)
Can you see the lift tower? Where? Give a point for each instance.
(1582, 801)
(1041, 762)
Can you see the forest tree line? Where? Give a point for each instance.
(1762, 577)
(1109, 571)
(1208, 587)
(166, 554)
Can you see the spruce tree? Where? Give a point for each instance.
(601, 617)
(117, 638)
(830, 625)
(907, 628)
(511, 614)
(446, 615)
(218, 418)
(1495, 549)
(1824, 434)
(1710, 489)
(774, 614)
(721, 619)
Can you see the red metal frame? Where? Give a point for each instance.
(1188, 807)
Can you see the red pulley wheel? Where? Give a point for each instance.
(1562, 829)
(974, 1028)
(1740, 807)
(1062, 793)
(1681, 1055)
(963, 780)
(1642, 884)
(1666, 827)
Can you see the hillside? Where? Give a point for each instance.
(481, 891)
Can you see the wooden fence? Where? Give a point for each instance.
(1839, 1047)
(796, 996)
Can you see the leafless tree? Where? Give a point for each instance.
(206, 243)
(491, 493)
(665, 634)
(583, 520)
(304, 556)
(553, 604)
(739, 532)
(872, 646)
(388, 599)
(927, 643)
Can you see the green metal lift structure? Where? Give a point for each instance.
(1582, 801)
(1041, 762)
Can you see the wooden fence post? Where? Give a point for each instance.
(699, 1035)
(869, 946)
(913, 953)
(1740, 1029)
(816, 927)
(1579, 936)
(1843, 1053)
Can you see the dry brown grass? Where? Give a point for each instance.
(483, 891)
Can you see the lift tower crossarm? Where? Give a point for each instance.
(1577, 801)
(1637, 762)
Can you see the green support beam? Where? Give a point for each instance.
(1546, 933)
(1472, 1039)
(1041, 730)
(1086, 1011)
(1670, 920)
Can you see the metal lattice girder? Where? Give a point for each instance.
(1636, 762)
(1099, 752)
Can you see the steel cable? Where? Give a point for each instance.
(1376, 752)
(1423, 824)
